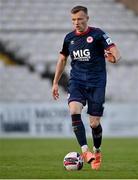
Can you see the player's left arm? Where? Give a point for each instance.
(112, 54)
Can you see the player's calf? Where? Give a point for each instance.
(79, 129)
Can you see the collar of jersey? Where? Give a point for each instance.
(83, 33)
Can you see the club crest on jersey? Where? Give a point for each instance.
(89, 39)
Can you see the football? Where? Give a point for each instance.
(73, 161)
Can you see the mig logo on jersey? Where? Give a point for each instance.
(81, 55)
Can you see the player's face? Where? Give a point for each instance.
(79, 21)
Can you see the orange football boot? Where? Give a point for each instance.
(96, 163)
(88, 156)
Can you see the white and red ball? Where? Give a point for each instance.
(73, 161)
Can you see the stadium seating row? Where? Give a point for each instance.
(36, 15)
(40, 46)
(18, 84)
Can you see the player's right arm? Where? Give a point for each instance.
(59, 70)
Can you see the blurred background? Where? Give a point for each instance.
(31, 36)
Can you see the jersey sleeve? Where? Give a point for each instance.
(106, 40)
(65, 47)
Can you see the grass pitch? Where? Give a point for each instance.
(43, 159)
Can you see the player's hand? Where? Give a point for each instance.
(109, 56)
(55, 92)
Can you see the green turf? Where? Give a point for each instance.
(42, 158)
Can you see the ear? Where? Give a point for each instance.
(87, 18)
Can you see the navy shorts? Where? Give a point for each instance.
(94, 97)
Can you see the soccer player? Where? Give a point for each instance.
(89, 48)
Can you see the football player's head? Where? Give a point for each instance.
(79, 16)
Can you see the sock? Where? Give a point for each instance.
(97, 136)
(96, 150)
(79, 129)
(84, 148)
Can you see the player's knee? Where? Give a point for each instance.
(94, 121)
(75, 108)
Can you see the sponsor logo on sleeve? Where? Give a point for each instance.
(108, 39)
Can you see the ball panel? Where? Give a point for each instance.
(73, 161)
